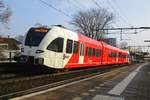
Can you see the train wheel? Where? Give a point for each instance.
(61, 70)
(58, 70)
(65, 70)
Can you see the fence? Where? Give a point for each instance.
(8, 55)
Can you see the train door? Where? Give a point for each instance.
(117, 55)
(59, 58)
(81, 56)
(56, 52)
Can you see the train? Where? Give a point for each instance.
(60, 48)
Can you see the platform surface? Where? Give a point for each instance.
(126, 83)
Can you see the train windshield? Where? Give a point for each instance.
(35, 36)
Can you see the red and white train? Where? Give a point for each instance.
(60, 48)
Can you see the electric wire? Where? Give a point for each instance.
(58, 10)
(120, 16)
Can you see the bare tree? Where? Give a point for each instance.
(5, 13)
(91, 22)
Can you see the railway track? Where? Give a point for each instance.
(16, 70)
(10, 88)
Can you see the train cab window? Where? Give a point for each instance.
(69, 46)
(56, 45)
(76, 45)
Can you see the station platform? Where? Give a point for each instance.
(126, 83)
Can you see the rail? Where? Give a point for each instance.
(23, 86)
(8, 55)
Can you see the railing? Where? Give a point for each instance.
(8, 55)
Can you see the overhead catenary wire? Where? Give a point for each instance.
(66, 14)
(78, 3)
(100, 7)
(123, 18)
(119, 9)
(96, 3)
(58, 10)
(119, 15)
(75, 4)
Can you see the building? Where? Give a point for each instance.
(9, 47)
(9, 44)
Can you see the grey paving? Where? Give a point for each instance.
(98, 88)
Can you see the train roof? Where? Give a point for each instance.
(114, 48)
(109, 46)
(88, 40)
(82, 37)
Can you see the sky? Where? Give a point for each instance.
(129, 13)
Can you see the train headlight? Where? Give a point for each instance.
(39, 51)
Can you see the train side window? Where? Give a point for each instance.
(124, 56)
(110, 54)
(96, 53)
(114, 55)
(56, 45)
(76, 45)
(93, 52)
(119, 54)
(83, 50)
(69, 46)
(90, 51)
(100, 51)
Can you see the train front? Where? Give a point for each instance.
(32, 46)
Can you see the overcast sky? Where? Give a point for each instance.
(26, 13)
